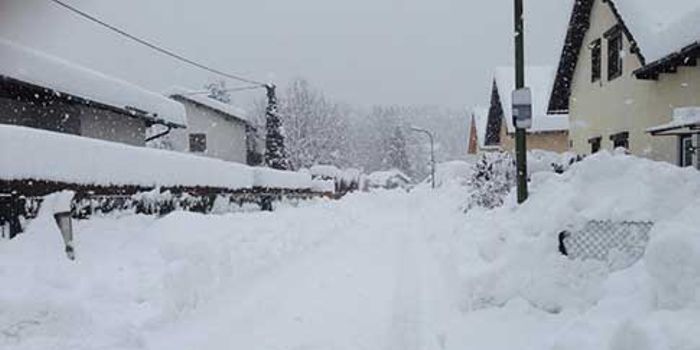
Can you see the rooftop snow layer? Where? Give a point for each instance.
(37, 68)
(204, 100)
(661, 27)
(81, 160)
(539, 80)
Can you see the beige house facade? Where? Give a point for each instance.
(610, 90)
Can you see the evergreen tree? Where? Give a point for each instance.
(396, 156)
(275, 154)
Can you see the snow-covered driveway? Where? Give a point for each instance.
(374, 285)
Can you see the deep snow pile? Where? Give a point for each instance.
(509, 255)
(136, 273)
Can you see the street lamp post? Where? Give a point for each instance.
(432, 152)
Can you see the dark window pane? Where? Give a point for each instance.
(198, 143)
(615, 55)
(596, 60)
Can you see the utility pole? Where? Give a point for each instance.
(432, 152)
(520, 135)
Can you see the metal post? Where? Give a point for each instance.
(432, 152)
(520, 135)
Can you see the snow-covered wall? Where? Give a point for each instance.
(33, 154)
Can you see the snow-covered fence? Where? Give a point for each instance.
(108, 176)
(619, 244)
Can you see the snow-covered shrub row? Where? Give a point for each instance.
(32, 154)
(655, 304)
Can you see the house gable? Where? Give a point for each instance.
(577, 33)
(494, 119)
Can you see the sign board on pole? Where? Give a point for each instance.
(522, 108)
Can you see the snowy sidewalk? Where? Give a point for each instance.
(373, 287)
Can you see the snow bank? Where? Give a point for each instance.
(323, 186)
(272, 178)
(74, 159)
(511, 253)
(456, 171)
(136, 273)
(43, 70)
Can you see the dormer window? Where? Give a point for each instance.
(615, 49)
(596, 60)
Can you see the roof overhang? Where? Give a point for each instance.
(687, 56)
(675, 129)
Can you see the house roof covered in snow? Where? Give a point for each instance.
(481, 116)
(198, 98)
(664, 35)
(37, 68)
(539, 80)
(660, 27)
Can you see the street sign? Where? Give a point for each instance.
(522, 108)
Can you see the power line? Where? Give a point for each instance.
(154, 46)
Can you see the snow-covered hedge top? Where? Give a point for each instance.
(661, 27)
(32, 154)
(540, 80)
(325, 171)
(37, 68)
(271, 178)
(204, 100)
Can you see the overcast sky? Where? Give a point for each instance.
(362, 52)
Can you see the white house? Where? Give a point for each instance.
(215, 129)
(46, 92)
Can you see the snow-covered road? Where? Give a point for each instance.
(375, 285)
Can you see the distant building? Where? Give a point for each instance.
(628, 77)
(45, 92)
(477, 133)
(548, 132)
(215, 129)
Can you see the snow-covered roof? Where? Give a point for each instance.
(682, 118)
(481, 116)
(204, 100)
(37, 68)
(661, 27)
(540, 81)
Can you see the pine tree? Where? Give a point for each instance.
(275, 154)
(397, 157)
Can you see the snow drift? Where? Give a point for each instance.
(652, 305)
